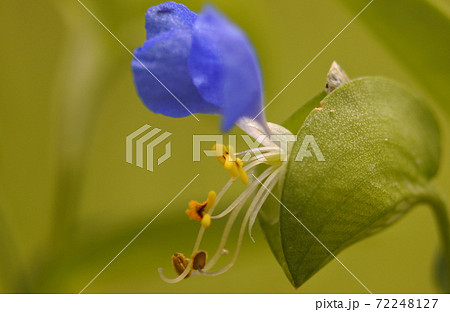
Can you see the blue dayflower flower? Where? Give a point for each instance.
(205, 61)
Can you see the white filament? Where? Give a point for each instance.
(260, 198)
(243, 196)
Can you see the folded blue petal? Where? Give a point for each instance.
(206, 62)
(168, 16)
(163, 57)
(224, 67)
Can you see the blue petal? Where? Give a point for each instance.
(224, 68)
(164, 54)
(168, 16)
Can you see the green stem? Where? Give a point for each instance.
(441, 215)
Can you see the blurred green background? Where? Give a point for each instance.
(68, 200)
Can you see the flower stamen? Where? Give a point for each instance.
(258, 189)
(197, 211)
(199, 260)
(180, 264)
(236, 209)
(230, 162)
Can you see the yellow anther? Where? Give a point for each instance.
(221, 152)
(232, 167)
(193, 211)
(206, 220)
(197, 211)
(234, 172)
(230, 162)
(211, 199)
(180, 263)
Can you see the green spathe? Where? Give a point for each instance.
(381, 146)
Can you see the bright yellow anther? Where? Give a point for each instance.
(197, 211)
(211, 199)
(221, 152)
(227, 163)
(225, 155)
(230, 162)
(206, 220)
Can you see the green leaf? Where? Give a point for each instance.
(269, 216)
(381, 148)
(417, 32)
(269, 219)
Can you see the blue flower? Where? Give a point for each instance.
(193, 63)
